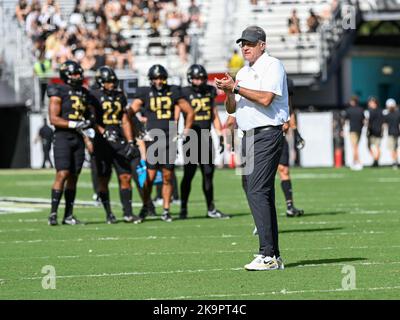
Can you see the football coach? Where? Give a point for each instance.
(259, 99)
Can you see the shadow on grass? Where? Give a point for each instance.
(311, 214)
(322, 261)
(310, 230)
(233, 215)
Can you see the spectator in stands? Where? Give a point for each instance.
(99, 56)
(42, 67)
(50, 15)
(294, 23)
(195, 14)
(392, 120)
(374, 133)
(76, 17)
(124, 54)
(138, 16)
(313, 21)
(154, 43)
(112, 9)
(31, 22)
(21, 11)
(236, 62)
(114, 24)
(355, 115)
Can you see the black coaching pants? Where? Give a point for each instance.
(262, 151)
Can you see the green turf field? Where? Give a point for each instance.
(351, 219)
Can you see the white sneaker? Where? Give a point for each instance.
(261, 263)
(356, 167)
(216, 214)
(280, 263)
(255, 231)
(158, 202)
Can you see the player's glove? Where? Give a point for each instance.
(145, 136)
(89, 132)
(298, 140)
(131, 150)
(179, 136)
(111, 136)
(79, 125)
(221, 146)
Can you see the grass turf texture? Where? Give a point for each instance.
(351, 218)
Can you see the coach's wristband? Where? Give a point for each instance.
(72, 124)
(236, 89)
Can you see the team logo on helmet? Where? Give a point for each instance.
(68, 69)
(105, 74)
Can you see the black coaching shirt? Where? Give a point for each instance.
(375, 122)
(393, 121)
(159, 106)
(203, 103)
(356, 117)
(109, 107)
(74, 102)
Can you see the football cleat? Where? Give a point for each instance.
(294, 212)
(111, 219)
(183, 214)
(53, 219)
(216, 214)
(133, 219)
(166, 217)
(261, 263)
(143, 213)
(151, 212)
(71, 220)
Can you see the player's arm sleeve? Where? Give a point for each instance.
(177, 93)
(53, 91)
(140, 94)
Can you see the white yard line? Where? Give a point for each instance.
(161, 253)
(153, 237)
(282, 292)
(139, 273)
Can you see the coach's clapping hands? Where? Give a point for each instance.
(227, 84)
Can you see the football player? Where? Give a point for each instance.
(283, 167)
(201, 97)
(158, 103)
(69, 114)
(113, 144)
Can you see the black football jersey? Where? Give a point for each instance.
(203, 103)
(109, 107)
(74, 102)
(158, 106)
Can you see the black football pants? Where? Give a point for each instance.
(207, 171)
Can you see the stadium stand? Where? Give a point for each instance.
(178, 33)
